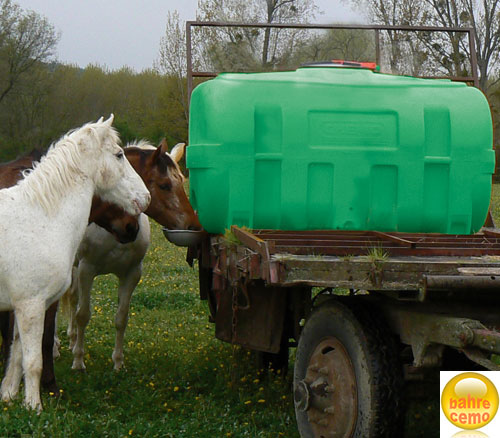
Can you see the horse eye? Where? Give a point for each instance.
(119, 155)
(165, 186)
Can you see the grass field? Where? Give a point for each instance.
(178, 381)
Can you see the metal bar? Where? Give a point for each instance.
(394, 238)
(204, 74)
(376, 28)
(209, 74)
(328, 26)
(264, 233)
(400, 251)
(491, 232)
(453, 78)
(461, 282)
(487, 340)
(189, 65)
(473, 56)
(490, 237)
(480, 358)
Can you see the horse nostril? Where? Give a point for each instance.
(131, 229)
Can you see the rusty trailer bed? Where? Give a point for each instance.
(360, 260)
(433, 290)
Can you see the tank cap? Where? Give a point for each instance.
(345, 64)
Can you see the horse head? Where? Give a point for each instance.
(160, 171)
(124, 227)
(115, 179)
(112, 218)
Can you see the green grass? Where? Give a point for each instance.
(495, 204)
(178, 381)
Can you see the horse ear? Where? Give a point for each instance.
(163, 144)
(177, 152)
(110, 120)
(100, 120)
(161, 149)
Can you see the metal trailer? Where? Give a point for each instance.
(408, 301)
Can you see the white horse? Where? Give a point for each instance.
(42, 222)
(100, 253)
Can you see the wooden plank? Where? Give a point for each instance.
(480, 271)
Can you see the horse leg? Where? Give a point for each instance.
(85, 279)
(48, 375)
(125, 288)
(29, 319)
(71, 303)
(6, 338)
(14, 371)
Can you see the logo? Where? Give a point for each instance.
(469, 401)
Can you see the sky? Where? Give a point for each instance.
(117, 33)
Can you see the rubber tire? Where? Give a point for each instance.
(373, 351)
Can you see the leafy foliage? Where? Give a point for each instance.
(62, 97)
(26, 40)
(446, 53)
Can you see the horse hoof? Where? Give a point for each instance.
(36, 407)
(79, 367)
(51, 388)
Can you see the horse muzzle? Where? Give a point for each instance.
(142, 204)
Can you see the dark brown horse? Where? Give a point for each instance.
(112, 218)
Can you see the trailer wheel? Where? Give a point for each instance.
(347, 376)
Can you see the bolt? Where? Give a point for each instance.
(302, 396)
(329, 410)
(330, 388)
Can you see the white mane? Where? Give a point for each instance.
(57, 171)
(141, 144)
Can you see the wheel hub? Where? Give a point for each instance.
(328, 392)
(302, 396)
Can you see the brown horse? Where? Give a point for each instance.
(160, 172)
(121, 225)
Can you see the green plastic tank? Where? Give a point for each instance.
(339, 148)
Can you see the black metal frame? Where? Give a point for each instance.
(377, 28)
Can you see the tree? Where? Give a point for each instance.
(484, 18)
(449, 51)
(346, 44)
(172, 58)
(26, 39)
(253, 48)
(233, 49)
